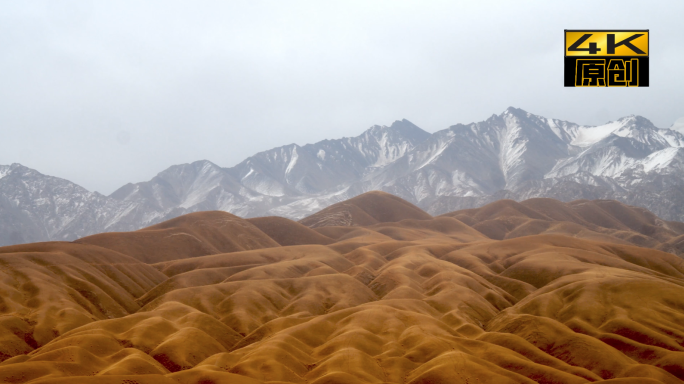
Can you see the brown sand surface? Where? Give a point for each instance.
(289, 232)
(533, 292)
(601, 220)
(194, 234)
(367, 209)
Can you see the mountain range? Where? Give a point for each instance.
(514, 155)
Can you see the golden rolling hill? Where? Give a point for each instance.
(371, 290)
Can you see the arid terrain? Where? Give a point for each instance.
(369, 290)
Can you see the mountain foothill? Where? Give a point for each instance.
(371, 289)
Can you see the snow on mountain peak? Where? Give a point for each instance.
(588, 135)
(293, 161)
(403, 130)
(510, 111)
(4, 170)
(632, 126)
(660, 159)
(678, 125)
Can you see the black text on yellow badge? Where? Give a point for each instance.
(606, 58)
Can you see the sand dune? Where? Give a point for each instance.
(195, 234)
(602, 220)
(288, 232)
(533, 292)
(48, 289)
(367, 209)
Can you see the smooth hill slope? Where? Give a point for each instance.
(288, 232)
(604, 220)
(48, 289)
(407, 299)
(194, 234)
(366, 209)
(536, 309)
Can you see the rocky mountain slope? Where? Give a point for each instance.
(514, 155)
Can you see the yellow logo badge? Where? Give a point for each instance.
(602, 58)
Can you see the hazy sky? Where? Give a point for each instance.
(103, 93)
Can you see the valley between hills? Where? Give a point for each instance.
(369, 290)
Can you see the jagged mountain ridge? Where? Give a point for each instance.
(272, 178)
(515, 155)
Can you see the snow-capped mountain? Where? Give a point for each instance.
(621, 160)
(515, 154)
(678, 125)
(269, 179)
(36, 207)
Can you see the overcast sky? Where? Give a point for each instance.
(105, 93)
